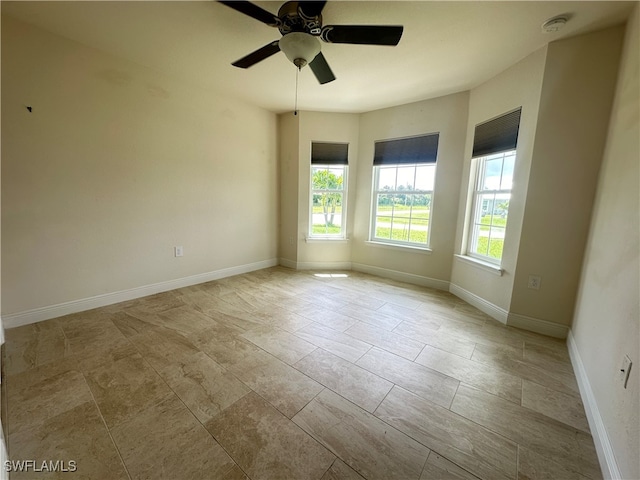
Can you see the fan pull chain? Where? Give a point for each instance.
(295, 108)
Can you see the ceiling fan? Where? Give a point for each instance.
(300, 23)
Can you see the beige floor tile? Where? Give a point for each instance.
(78, 434)
(550, 356)
(265, 444)
(184, 320)
(402, 297)
(479, 375)
(326, 302)
(281, 317)
(281, 385)
(94, 338)
(125, 388)
(352, 382)
(468, 331)
(498, 331)
(361, 300)
(502, 351)
(369, 446)
(84, 362)
(422, 381)
(340, 344)
(163, 346)
(34, 345)
(35, 403)
(469, 311)
(372, 317)
(532, 466)
(202, 299)
(421, 330)
(456, 345)
(564, 408)
(165, 441)
(130, 325)
(556, 379)
(245, 300)
(438, 467)
(235, 473)
(88, 323)
(111, 339)
(400, 312)
(449, 313)
(341, 471)
(204, 386)
(474, 448)
(283, 345)
(389, 341)
(298, 303)
(224, 345)
(157, 303)
(230, 316)
(108, 352)
(495, 332)
(185, 357)
(328, 318)
(556, 441)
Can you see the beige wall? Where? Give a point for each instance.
(116, 165)
(606, 321)
(325, 127)
(288, 147)
(447, 115)
(575, 104)
(519, 86)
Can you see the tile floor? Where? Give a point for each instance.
(279, 374)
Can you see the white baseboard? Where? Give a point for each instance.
(537, 325)
(494, 311)
(323, 265)
(604, 449)
(285, 262)
(401, 276)
(13, 320)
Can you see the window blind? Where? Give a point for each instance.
(497, 135)
(324, 153)
(420, 149)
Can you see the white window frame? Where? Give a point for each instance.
(342, 235)
(476, 206)
(374, 206)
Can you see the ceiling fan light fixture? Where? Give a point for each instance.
(299, 47)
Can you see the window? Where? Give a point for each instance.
(494, 157)
(491, 205)
(404, 177)
(328, 190)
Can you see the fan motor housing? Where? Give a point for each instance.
(292, 20)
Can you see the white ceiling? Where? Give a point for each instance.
(447, 46)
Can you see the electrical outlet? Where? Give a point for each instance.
(291, 240)
(534, 282)
(179, 252)
(625, 369)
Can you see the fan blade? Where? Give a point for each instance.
(311, 9)
(253, 11)
(258, 55)
(362, 34)
(321, 69)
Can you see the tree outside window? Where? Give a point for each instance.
(327, 200)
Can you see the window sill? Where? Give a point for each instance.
(486, 266)
(395, 246)
(326, 239)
